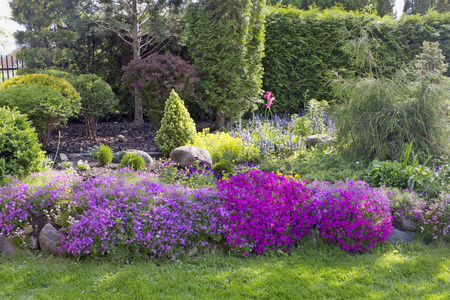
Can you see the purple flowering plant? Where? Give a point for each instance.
(265, 211)
(21, 202)
(352, 214)
(142, 218)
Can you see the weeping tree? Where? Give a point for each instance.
(145, 25)
(226, 43)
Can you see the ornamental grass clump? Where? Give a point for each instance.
(266, 211)
(352, 214)
(123, 219)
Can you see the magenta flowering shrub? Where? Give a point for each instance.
(266, 211)
(21, 203)
(352, 214)
(141, 218)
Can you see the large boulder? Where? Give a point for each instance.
(405, 237)
(318, 139)
(188, 155)
(49, 239)
(147, 158)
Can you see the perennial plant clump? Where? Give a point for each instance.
(352, 214)
(222, 145)
(140, 218)
(21, 202)
(266, 211)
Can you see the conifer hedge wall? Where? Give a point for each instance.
(303, 46)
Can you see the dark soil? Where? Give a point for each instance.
(75, 144)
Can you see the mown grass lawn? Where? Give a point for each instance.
(308, 272)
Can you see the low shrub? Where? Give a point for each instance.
(222, 146)
(133, 161)
(223, 168)
(352, 214)
(433, 218)
(316, 165)
(20, 153)
(58, 84)
(44, 106)
(105, 155)
(97, 99)
(405, 204)
(266, 211)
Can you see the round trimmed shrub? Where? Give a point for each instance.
(97, 99)
(104, 155)
(20, 153)
(59, 84)
(177, 127)
(133, 161)
(351, 214)
(44, 106)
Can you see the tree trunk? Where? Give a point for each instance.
(138, 112)
(220, 120)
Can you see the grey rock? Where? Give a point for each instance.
(33, 242)
(186, 155)
(63, 157)
(192, 251)
(121, 138)
(318, 139)
(401, 236)
(407, 225)
(124, 132)
(7, 246)
(147, 158)
(49, 239)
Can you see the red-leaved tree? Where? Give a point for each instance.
(155, 76)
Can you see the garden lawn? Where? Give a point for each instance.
(310, 271)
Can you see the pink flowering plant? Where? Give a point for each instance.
(352, 214)
(265, 211)
(433, 218)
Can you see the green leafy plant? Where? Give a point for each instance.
(313, 121)
(97, 99)
(105, 155)
(83, 165)
(402, 175)
(316, 165)
(20, 153)
(224, 168)
(177, 127)
(133, 161)
(44, 106)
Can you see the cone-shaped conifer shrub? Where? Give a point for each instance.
(177, 127)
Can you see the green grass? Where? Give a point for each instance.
(309, 272)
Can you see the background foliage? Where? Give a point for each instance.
(302, 46)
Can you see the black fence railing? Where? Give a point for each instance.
(8, 66)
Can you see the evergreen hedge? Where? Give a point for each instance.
(302, 46)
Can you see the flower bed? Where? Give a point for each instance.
(132, 214)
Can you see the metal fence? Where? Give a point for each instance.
(8, 66)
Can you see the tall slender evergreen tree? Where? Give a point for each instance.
(226, 43)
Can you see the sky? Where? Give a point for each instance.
(7, 44)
